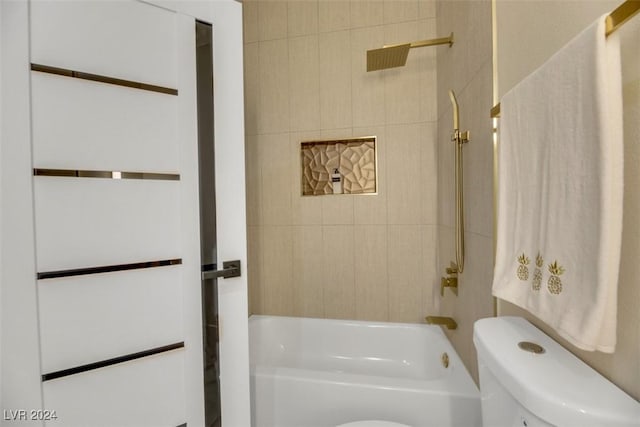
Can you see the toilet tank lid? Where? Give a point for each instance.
(555, 385)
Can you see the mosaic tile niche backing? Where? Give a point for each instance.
(346, 166)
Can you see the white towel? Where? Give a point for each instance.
(560, 191)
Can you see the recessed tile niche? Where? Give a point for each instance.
(343, 166)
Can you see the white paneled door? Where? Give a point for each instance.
(102, 300)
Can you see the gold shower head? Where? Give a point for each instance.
(396, 55)
(388, 57)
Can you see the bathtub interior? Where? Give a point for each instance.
(322, 373)
(352, 347)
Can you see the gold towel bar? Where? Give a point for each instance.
(620, 15)
(614, 20)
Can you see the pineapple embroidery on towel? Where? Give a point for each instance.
(537, 273)
(523, 270)
(554, 284)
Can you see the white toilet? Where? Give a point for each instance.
(542, 383)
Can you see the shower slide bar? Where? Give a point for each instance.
(613, 21)
(459, 138)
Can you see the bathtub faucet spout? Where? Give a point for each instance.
(440, 320)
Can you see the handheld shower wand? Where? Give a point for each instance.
(459, 138)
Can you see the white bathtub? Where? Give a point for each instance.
(322, 373)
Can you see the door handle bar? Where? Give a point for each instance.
(229, 269)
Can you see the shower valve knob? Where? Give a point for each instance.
(449, 282)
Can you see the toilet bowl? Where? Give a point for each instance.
(372, 423)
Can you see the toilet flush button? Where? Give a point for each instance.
(531, 347)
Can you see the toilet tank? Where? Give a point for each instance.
(520, 387)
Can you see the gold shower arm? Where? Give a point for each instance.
(613, 21)
(433, 42)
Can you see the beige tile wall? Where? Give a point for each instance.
(467, 69)
(358, 257)
(381, 257)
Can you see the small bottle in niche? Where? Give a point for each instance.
(336, 180)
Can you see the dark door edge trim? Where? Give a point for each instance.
(106, 269)
(103, 79)
(77, 173)
(108, 362)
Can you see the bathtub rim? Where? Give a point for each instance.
(459, 382)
